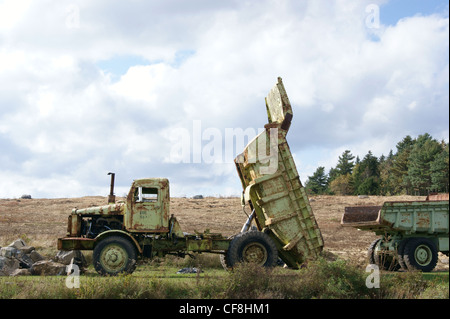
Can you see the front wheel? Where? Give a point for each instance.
(114, 255)
(420, 254)
(252, 247)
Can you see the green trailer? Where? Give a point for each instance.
(411, 232)
(142, 226)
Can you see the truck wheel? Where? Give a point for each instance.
(114, 255)
(371, 252)
(384, 261)
(420, 254)
(401, 252)
(252, 247)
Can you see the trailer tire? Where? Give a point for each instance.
(420, 254)
(384, 261)
(401, 253)
(114, 255)
(371, 252)
(252, 247)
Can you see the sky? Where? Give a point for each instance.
(176, 88)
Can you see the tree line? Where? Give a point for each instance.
(418, 167)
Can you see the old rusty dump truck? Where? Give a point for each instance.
(120, 233)
(411, 232)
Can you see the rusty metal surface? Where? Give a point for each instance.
(360, 215)
(279, 110)
(435, 196)
(430, 217)
(148, 214)
(427, 217)
(77, 243)
(276, 193)
(114, 209)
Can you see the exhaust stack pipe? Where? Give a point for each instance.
(111, 197)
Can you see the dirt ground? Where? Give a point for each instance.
(41, 221)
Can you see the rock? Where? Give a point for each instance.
(35, 256)
(198, 197)
(21, 272)
(363, 196)
(25, 196)
(18, 243)
(48, 268)
(26, 249)
(8, 252)
(8, 265)
(66, 257)
(24, 260)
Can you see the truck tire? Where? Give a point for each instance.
(420, 254)
(384, 261)
(114, 255)
(223, 257)
(401, 252)
(252, 247)
(371, 252)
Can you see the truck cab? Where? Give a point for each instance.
(147, 208)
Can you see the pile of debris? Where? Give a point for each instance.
(19, 259)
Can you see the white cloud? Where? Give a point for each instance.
(65, 123)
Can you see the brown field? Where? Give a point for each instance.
(41, 221)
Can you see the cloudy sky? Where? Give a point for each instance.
(150, 88)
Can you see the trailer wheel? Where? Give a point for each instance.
(401, 252)
(371, 252)
(420, 254)
(114, 255)
(384, 261)
(252, 247)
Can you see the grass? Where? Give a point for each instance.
(157, 279)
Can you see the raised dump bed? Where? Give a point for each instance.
(412, 232)
(272, 186)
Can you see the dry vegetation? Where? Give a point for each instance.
(41, 221)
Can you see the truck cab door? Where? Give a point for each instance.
(146, 210)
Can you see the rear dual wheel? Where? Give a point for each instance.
(420, 254)
(384, 260)
(412, 254)
(251, 247)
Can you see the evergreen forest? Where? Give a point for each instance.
(419, 166)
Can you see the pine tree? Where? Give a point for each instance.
(345, 163)
(317, 183)
(387, 183)
(422, 155)
(401, 181)
(366, 176)
(439, 169)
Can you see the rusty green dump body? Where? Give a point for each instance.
(411, 232)
(415, 217)
(273, 189)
